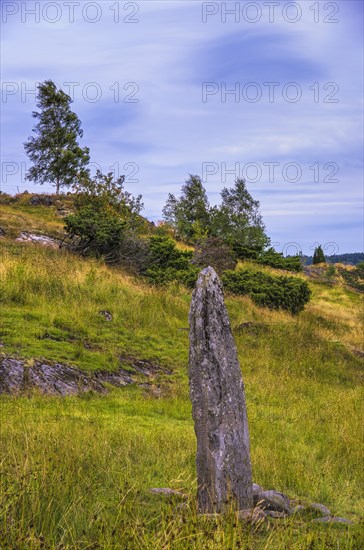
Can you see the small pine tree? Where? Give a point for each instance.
(318, 256)
(55, 152)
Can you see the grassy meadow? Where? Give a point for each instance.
(75, 472)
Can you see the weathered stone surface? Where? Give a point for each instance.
(252, 515)
(318, 508)
(11, 375)
(257, 488)
(44, 200)
(218, 402)
(18, 375)
(332, 519)
(168, 492)
(311, 509)
(272, 500)
(38, 239)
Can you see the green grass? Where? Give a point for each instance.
(76, 472)
(25, 217)
(52, 302)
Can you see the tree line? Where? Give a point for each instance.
(58, 158)
(106, 220)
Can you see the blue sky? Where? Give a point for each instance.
(169, 88)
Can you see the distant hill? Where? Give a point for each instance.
(351, 258)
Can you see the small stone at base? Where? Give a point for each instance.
(316, 507)
(252, 515)
(332, 519)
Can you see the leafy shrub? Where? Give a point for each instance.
(244, 252)
(215, 253)
(105, 213)
(288, 293)
(98, 231)
(167, 263)
(164, 253)
(278, 261)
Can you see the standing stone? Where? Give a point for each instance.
(218, 402)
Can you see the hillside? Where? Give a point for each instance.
(77, 470)
(349, 259)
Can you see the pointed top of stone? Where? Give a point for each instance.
(206, 275)
(208, 271)
(208, 282)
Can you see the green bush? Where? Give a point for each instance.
(165, 254)
(244, 252)
(98, 231)
(288, 293)
(104, 214)
(167, 263)
(278, 261)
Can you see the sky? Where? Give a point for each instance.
(271, 91)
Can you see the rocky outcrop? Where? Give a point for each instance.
(44, 240)
(17, 376)
(20, 375)
(42, 200)
(218, 402)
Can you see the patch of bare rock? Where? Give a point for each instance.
(42, 200)
(26, 237)
(19, 376)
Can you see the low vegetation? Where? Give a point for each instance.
(354, 277)
(289, 293)
(278, 261)
(75, 472)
